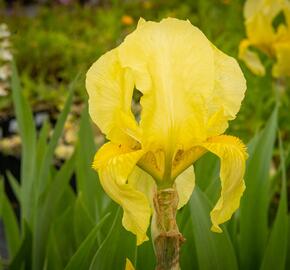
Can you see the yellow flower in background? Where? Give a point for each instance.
(190, 92)
(261, 34)
(129, 265)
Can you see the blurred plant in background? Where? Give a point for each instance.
(267, 47)
(5, 60)
(268, 29)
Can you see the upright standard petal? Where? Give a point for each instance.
(114, 163)
(228, 93)
(163, 58)
(110, 89)
(180, 101)
(232, 153)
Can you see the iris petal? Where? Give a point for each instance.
(180, 99)
(144, 182)
(185, 183)
(163, 58)
(232, 153)
(114, 164)
(110, 89)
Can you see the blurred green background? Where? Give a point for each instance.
(53, 43)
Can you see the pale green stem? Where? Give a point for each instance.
(279, 86)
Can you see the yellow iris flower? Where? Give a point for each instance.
(261, 34)
(190, 92)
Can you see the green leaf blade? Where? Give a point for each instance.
(119, 245)
(214, 251)
(275, 253)
(84, 255)
(27, 132)
(253, 214)
(8, 217)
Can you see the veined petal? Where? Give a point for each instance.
(185, 183)
(114, 163)
(232, 153)
(229, 91)
(163, 58)
(180, 99)
(110, 89)
(185, 158)
(251, 59)
(153, 163)
(230, 84)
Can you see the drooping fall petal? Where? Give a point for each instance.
(232, 153)
(143, 182)
(114, 164)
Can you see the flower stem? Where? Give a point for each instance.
(166, 237)
(279, 86)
